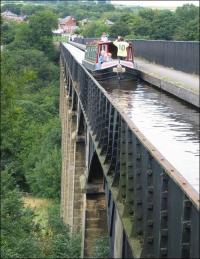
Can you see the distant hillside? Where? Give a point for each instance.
(171, 8)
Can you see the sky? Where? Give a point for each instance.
(156, 3)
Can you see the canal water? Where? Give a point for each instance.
(169, 124)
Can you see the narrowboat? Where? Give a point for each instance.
(110, 66)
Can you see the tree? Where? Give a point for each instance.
(30, 9)
(17, 228)
(15, 8)
(63, 243)
(26, 108)
(30, 147)
(41, 25)
(187, 19)
(147, 14)
(12, 85)
(43, 166)
(8, 30)
(22, 37)
(163, 25)
(94, 29)
(188, 31)
(119, 28)
(187, 12)
(191, 31)
(141, 27)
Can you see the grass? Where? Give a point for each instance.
(60, 38)
(36, 203)
(40, 207)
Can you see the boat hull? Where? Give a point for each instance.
(108, 71)
(107, 74)
(89, 65)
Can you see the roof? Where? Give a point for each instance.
(12, 16)
(66, 19)
(85, 20)
(9, 13)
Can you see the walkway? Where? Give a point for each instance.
(178, 78)
(76, 53)
(183, 85)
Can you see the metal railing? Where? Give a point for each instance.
(158, 208)
(181, 55)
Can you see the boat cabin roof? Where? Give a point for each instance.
(93, 50)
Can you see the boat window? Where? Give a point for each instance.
(90, 53)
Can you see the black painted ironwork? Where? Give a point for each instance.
(158, 209)
(181, 55)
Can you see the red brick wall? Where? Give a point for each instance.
(71, 23)
(68, 26)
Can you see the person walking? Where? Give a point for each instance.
(121, 45)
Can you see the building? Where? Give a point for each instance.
(9, 16)
(84, 21)
(67, 24)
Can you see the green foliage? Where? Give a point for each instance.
(30, 147)
(11, 89)
(37, 33)
(31, 64)
(60, 38)
(147, 14)
(22, 236)
(63, 243)
(30, 128)
(187, 12)
(191, 31)
(8, 30)
(142, 23)
(29, 99)
(118, 29)
(14, 8)
(135, 22)
(141, 27)
(41, 25)
(43, 170)
(94, 29)
(17, 229)
(22, 36)
(32, 9)
(163, 25)
(102, 248)
(187, 19)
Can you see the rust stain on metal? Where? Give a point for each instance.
(174, 174)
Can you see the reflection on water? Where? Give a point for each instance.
(170, 125)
